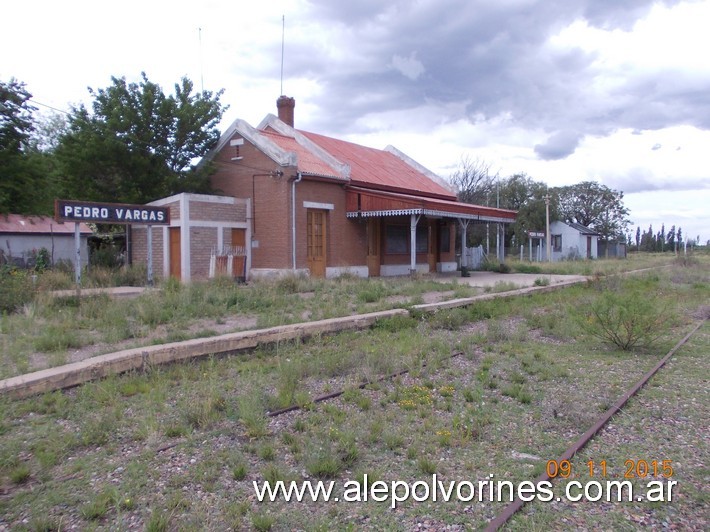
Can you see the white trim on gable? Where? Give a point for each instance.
(422, 169)
(273, 121)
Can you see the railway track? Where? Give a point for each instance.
(601, 422)
(578, 445)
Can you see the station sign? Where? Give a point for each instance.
(110, 213)
(536, 234)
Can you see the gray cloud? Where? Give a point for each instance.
(493, 58)
(559, 145)
(640, 180)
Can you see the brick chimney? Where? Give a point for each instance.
(286, 105)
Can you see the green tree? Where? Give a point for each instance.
(137, 144)
(20, 175)
(648, 240)
(521, 193)
(671, 238)
(596, 206)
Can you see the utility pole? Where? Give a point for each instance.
(547, 226)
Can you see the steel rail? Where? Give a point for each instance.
(516, 505)
(333, 395)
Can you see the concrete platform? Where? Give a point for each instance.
(115, 291)
(143, 357)
(521, 280)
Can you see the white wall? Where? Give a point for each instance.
(574, 244)
(21, 246)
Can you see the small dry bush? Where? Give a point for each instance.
(626, 320)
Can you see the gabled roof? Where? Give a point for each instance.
(307, 161)
(380, 182)
(583, 229)
(317, 155)
(382, 169)
(17, 223)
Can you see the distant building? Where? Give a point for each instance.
(326, 207)
(612, 249)
(21, 237)
(205, 231)
(570, 241)
(291, 201)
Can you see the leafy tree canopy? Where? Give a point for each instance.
(588, 203)
(18, 176)
(527, 196)
(596, 206)
(137, 144)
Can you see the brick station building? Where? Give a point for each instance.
(325, 207)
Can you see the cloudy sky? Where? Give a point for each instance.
(616, 91)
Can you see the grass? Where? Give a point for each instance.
(44, 329)
(184, 442)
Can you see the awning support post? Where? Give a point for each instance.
(498, 242)
(77, 258)
(464, 227)
(149, 242)
(413, 221)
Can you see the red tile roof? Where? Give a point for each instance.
(17, 223)
(308, 162)
(380, 169)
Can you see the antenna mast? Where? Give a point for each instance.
(283, 33)
(202, 78)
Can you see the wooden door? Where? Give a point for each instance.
(239, 246)
(175, 256)
(433, 250)
(374, 238)
(316, 241)
(589, 247)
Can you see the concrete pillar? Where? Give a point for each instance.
(413, 220)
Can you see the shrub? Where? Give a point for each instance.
(426, 465)
(110, 257)
(626, 320)
(16, 289)
(43, 261)
(503, 268)
(522, 267)
(494, 266)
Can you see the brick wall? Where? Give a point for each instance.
(270, 215)
(213, 212)
(346, 239)
(174, 211)
(202, 241)
(140, 247)
(451, 255)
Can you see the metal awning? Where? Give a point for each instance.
(367, 203)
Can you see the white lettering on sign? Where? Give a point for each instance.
(111, 213)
